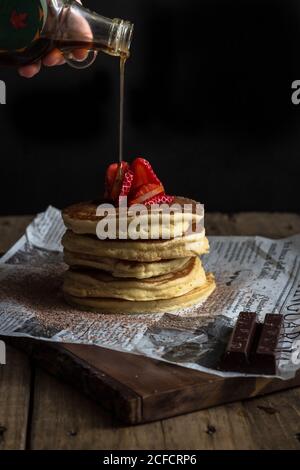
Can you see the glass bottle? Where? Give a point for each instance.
(29, 29)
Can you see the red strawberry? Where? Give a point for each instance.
(146, 192)
(143, 173)
(127, 183)
(138, 181)
(160, 199)
(114, 179)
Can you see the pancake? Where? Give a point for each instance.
(122, 268)
(118, 306)
(160, 271)
(82, 219)
(93, 283)
(143, 250)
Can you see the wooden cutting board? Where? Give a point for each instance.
(137, 389)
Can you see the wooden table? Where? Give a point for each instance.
(39, 412)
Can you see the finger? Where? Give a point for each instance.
(62, 61)
(53, 58)
(29, 71)
(80, 54)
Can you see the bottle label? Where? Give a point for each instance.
(21, 23)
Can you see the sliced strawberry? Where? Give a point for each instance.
(160, 199)
(139, 182)
(114, 179)
(146, 192)
(143, 174)
(126, 184)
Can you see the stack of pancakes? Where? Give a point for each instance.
(135, 276)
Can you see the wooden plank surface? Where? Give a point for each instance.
(11, 229)
(65, 419)
(70, 421)
(136, 389)
(266, 423)
(61, 418)
(15, 378)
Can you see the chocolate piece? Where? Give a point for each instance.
(237, 355)
(266, 355)
(253, 347)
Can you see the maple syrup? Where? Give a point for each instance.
(123, 59)
(30, 55)
(31, 28)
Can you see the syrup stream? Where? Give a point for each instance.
(121, 122)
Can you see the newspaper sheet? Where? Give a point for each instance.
(252, 274)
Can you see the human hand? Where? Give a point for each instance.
(55, 56)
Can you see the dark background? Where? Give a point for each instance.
(208, 102)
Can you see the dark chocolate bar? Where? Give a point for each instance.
(253, 347)
(237, 354)
(266, 354)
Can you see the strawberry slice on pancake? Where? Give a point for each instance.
(138, 182)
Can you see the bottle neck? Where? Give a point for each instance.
(73, 26)
(120, 37)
